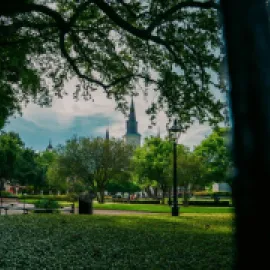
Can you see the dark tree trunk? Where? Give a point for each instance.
(148, 191)
(101, 193)
(170, 194)
(185, 196)
(163, 188)
(155, 192)
(248, 49)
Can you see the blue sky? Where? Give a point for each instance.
(37, 137)
(67, 117)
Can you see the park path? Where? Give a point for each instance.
(95, 212)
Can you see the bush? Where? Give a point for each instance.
(145, 202)
(202, 193)
(49, 197)
(6, 194)
(72, 197)
(211, 194)
(210, 203)
(46, 206)
(125, 200)
(222, 194)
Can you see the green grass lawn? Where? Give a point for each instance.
(161, 208)
(191, 241)
(150, 207)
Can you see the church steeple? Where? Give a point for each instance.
(132, 125)
(107, 136)
(132, 136)
(49, 147)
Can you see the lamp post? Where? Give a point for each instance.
(174, 133)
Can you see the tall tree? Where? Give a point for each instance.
(190, 170)
(94, 161)
(215, 154)
(112, 158)
(10, 147)
(171, 47)
(152, 162)
(26, 168)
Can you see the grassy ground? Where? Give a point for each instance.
(192, 241)
(161, 208)
(150, 208)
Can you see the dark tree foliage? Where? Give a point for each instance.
(120, 47)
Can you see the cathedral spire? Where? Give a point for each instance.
(132, 136)
(131, 122)
(132, 114)
(107, 136)
(49, 147)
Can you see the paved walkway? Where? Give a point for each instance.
(96, 211)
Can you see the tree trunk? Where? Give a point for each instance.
(185, 196)
(246, 30)
(170, 198)
(163, 188)
(148, 191)
(155, 192)
(98, 197)
(101, 192)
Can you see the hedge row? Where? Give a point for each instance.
(208, 193)
(210, 203)
(50, 197)
(144, 202)
(6, 194)
(121, 200)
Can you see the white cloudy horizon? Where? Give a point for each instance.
(67, 117)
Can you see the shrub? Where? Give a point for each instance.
(210, 203)
(145, 202)
(222, 194)
(72, 197)
(49, 197)
(202, 193)
(46, 206)
(125, 200)
(211, 194)
(6, 194)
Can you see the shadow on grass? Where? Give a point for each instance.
(116, 242)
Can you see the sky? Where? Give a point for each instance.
(67, 117)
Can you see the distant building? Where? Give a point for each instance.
(221, 187)
(132, 136)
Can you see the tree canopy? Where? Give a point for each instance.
(120, 47)
(152, 163)
(216, 156)
(91, 162)
(11, 146)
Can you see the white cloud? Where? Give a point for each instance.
(63, 112)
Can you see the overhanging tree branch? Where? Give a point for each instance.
(73, 64)
(187, 4)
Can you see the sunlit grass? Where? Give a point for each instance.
(161, 208)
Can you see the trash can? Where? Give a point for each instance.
(86, 203)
